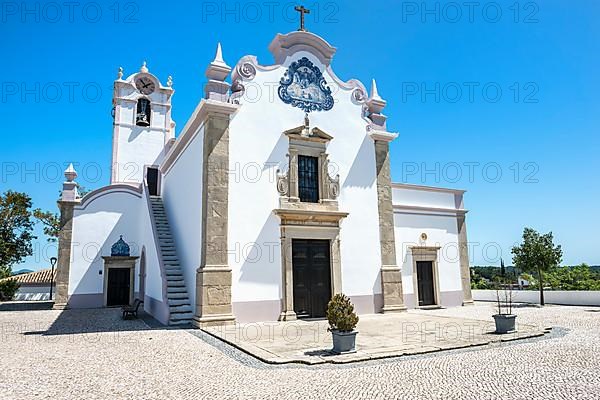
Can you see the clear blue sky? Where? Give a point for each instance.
(58, 65)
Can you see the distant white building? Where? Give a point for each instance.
(34, 286)
(275, 195)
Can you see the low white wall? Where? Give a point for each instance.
(34, 293)
(571, 297)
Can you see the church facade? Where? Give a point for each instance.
(275, 195)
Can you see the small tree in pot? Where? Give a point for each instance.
(505, 319)
(342, 321)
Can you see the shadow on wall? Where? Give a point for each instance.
(92, 276)
(360, 174)
(278, 155)
(261, 259)
(377, 295)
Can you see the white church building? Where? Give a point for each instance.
(274, 196)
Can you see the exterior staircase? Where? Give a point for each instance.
(180, 309)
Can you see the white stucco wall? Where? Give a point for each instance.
(258, 148)
(182, 198)
(410, 195)
(34, 293)
(135, 146)
(97, 225)
(441, 229)
(564, 297)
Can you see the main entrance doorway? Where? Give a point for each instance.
(425, 283)
(118, 286)
(311, 266)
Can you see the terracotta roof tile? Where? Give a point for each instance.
(37, 277)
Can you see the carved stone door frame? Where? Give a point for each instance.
(302, 224)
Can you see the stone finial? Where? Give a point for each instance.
(218, 69)
(70, 173)
(120, 73)
(375, 102)
(375, 105)
(69, 190)
(216, 72)
(144, 67)
(219, 55)
(170, 81)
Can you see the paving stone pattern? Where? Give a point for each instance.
(92, 354)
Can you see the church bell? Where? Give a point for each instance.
(143, 115)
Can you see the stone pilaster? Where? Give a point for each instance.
(391, 276)
(214, 278)
(69, 198)
(463, 249)
(63, 265)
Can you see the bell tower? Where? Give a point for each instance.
(142, 125)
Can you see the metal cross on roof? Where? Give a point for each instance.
(302, 11)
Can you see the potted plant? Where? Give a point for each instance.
(342, 321)
(505, 319)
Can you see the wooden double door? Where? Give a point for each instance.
(311, 264)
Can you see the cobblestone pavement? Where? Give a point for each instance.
(91, 354)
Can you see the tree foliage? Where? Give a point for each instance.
(8, 289)
(537, 254)
(340, 313)
(579, 277)
(51, 222)
(16, 230)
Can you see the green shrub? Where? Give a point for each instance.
(340, 314)
(8, 288)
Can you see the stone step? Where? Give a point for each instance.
(186, 308)
(175, 283)
(181, 316)
(174, 278)
(183, 322)
(171, 264)
(173, 271)
(171, 290)
(178, 296)
(178, 302)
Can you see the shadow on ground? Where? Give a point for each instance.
(83, 321)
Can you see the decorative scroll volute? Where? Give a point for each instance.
(283, 183)
(334, 187)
